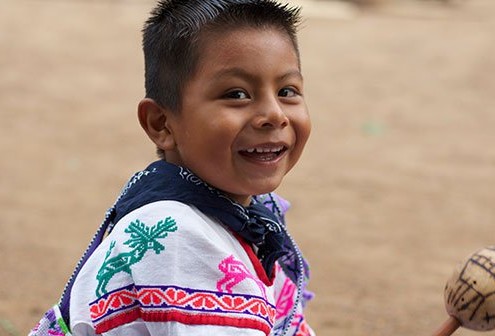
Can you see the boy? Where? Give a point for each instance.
(191, 250)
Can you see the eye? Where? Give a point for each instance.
(288, 92)
(236, 94)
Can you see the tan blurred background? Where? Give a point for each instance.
(396, 186)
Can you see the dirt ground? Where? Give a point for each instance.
(397, 184)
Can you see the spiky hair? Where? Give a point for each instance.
(173, 32)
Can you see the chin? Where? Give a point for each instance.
(254, 187)
(266, 188)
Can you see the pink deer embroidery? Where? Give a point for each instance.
(236, 272)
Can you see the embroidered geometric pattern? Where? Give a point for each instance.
(184, 305)
(302, 327)
(299, 327)
(143, 238)
(51, 324)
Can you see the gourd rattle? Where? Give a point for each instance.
(470, 294)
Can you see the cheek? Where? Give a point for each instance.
(302, 128)
(212, 141)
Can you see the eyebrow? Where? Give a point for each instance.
(240, 72)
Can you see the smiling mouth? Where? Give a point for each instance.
(264, 154)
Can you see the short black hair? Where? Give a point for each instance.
(172, 36)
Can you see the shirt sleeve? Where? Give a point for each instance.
(286, 299)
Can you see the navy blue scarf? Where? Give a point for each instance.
(164, 181)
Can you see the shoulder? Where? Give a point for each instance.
(184, 228)
(155, 212)
(166, 233)
(167, 253)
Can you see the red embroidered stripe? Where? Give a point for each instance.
(177, 316)
(123, 298)
(184, 305)
(117, 320)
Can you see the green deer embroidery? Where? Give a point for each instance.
(143, 238)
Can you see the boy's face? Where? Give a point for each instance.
(243, 121)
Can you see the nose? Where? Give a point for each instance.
(270, 114)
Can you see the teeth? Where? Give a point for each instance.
(264, 150)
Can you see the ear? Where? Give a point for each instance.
(154, 120)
